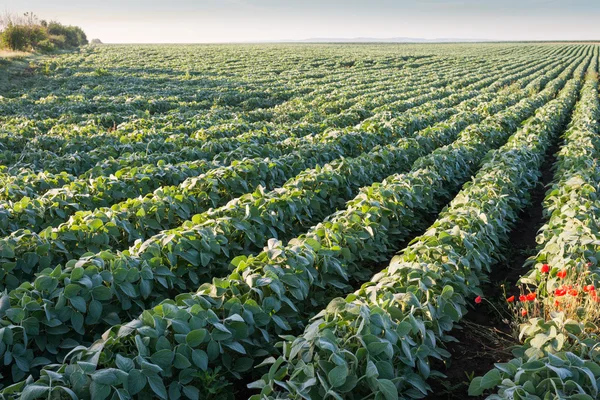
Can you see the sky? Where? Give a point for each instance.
(202, 21)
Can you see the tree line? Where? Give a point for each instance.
(28, 33)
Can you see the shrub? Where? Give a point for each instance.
(42, 36)
(15, 38)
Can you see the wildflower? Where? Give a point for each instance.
(545, 269)
(523, 312)
(478, 299)
(589, 288)
(531, 297)
(511, 299)
(560, 292)
(573, 292)
(561, 274)
(556, 303)
(522, 298)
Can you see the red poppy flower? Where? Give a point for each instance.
(545, 268)
(561, 274)
(589, 288)
(573, 292)
(478, 299)
(522, 298)
(523, 312)
(511, 299)
(531, 297)
(556, 303)
(560, 292)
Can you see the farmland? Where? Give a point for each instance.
(300, 221)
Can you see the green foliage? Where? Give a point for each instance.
(41, 37)
(195, 206)
(559, 355)
(391, 327)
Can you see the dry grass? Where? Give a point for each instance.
(9, 54)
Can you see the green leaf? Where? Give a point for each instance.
(447, 292)
(191, 392)
(136, 381)
(491, 379)
(78, 303)
(95, 224)
(475, 388)
(124, 363)
(104, 377)
(101, 293)
(181, 362)
(158, 386)
(196, 337)
(389, 390)
(34, 392)
(337, 376)
(163, 358)
(200, 359)
(99, 391)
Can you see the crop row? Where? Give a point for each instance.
(379, 340)
(150, 176)
(79, 162)
(312, 193)
(233, 321)
(51, 209)
(559, 355)
(114, 147)
(83, 140)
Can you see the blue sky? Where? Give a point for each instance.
(153, 21)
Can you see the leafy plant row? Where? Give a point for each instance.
(559, 356)
(258, 144)
(196, 340)
(119, 226)
(51, 209)
(379, 340)
(204, 247)
(120, 148)
(108, 188)
(82, 140)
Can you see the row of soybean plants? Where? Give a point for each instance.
(83, 140)
(53, 207)
(559, 355)
(79, 162)
(150, 177)
(323, 95)
(113, 146)
(206, 339)
(380, 339)
(314, 193)
(28, 183)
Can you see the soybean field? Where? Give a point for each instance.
(301, 221)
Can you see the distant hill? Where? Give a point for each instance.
(386, 40)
